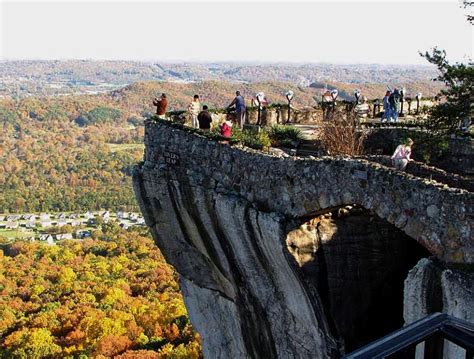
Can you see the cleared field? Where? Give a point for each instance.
(13, 233)
(125, 147)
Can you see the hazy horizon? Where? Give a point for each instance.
(265, 32)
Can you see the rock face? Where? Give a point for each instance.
(357, 262)
(430, 287)
(223, 217)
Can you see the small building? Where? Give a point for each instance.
(63, 236)
(122, 215)
(140, 221)
(12, 225)
(73, 216)
(133, 216)
(88, 215)
(13, 217)
(44, 217)
(46, 223)
(30, 224)
(61, 222)
(61, 216)
(46, 237)
(124, 225)
(75, 223)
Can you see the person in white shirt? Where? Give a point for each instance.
(194, 108)
(401, 156)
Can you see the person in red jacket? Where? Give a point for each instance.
(161, 106)
(226, 131)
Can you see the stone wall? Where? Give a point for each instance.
(456, 157)
(278, 114)
(268, 117)
(221, 216)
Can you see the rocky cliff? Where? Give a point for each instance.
(269, 267)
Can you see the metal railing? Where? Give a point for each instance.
(432, 330)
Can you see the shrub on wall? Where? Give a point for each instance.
(340, 135)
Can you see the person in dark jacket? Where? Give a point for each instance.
(394, 101)
(161, 106)
(204, 119)
(240, 109)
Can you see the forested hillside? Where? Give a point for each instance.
(51, 161)
(68, 153)
(113, 295)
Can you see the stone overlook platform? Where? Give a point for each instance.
(221, 216)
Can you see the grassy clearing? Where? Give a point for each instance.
(114, 147)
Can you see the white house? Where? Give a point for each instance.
(44, 217)
(88, 215)
(12, 225)
(75, 223)
(61, 222)
(122, 215)
(63, 236)
(46, 223)
(46, 237)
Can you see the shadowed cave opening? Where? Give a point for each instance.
(357, 263)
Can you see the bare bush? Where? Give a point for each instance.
(341, 136)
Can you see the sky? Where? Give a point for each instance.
(340, 32)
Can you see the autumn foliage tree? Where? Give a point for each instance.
(114, 296)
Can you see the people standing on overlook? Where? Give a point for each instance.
(401, 156)
(204, 119)
(386, 108)
(394, 100)
(161, 106)
(240, 109)
(194, 108)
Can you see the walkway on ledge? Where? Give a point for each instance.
(434, 214)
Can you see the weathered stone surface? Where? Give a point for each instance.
(430, 287)
(357, 263)
(221, 216)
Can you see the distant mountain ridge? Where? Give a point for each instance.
(27, 78)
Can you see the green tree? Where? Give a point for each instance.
(457, 96)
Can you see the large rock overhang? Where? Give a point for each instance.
(438, 217)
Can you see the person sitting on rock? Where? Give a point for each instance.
(401, 156)
(204, 119)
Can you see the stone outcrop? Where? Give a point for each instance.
(222, 216)
(432, 286)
